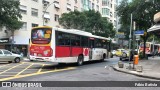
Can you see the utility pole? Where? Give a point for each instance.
(130, 38)
(134, 28)
(153, 47)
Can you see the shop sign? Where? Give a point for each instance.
(4, 40)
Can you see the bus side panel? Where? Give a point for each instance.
(98, 53)
(76, 51)
(62, 51)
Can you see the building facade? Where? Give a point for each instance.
(47, 12)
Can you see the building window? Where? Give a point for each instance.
(115, 23)
(89, 4)
(111, 14)
(97, 1)
(76, 1)
(24, 26)
(34, 12)
(56, 4)
(92, 5)
(68, 7)
(34, 25)
(56, 17)
(104, 2)
(97, 8)
(85, 4)
(35, 0)
(111, 5)
(105, 11)
(115, 15)
(23, 9)
(75, 8)
(115, 7)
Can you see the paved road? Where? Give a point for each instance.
(94, 71)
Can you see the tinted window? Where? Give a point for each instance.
(1, 52)
(101, 43)
(84, 41)
(6, 52)
(75, 40)
(98, 43)
(63, 38)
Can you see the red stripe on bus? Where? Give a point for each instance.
(62, 51)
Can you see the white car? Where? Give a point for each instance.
(7, 56)
(113, 52)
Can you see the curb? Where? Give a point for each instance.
(145, 76)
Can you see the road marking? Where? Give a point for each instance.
(40, 69)
(4, 65)
(11, 68)
(32, 74)
(24, 70)
(6, 75)
(37, 63)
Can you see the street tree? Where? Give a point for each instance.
(142, 11)
(10, 15)
(90, 21)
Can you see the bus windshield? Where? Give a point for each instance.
(41, 36)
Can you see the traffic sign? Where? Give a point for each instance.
(139, 32)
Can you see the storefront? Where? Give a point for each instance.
(3, 42)
(15, 48)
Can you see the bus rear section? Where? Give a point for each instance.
(40, 44)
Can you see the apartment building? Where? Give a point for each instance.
(47, 12)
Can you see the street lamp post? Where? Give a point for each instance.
(45, 11)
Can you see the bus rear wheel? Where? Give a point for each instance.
(80, 60)
(104, 56)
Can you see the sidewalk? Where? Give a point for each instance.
(150, 67)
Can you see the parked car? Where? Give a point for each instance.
(126, 55)
(119, 52)
(7, 56)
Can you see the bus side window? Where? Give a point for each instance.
(63, 39)
(91, 43)
(75, 40)
(84, 41)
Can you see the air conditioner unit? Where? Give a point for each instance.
(45, 3)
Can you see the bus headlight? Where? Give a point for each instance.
(45, 52)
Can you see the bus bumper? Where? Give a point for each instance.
(45, 59)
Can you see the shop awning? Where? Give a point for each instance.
(155, 30)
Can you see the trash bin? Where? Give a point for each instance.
(136, 59)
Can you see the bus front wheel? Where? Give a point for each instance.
(80, 60)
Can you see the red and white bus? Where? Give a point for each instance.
(150, 48)
(66, 45)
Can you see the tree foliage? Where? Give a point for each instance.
(10, 14)
(142, 12)
(90, 21)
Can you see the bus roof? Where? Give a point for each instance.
(41, 27)
(73, 31)
(79, 32)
